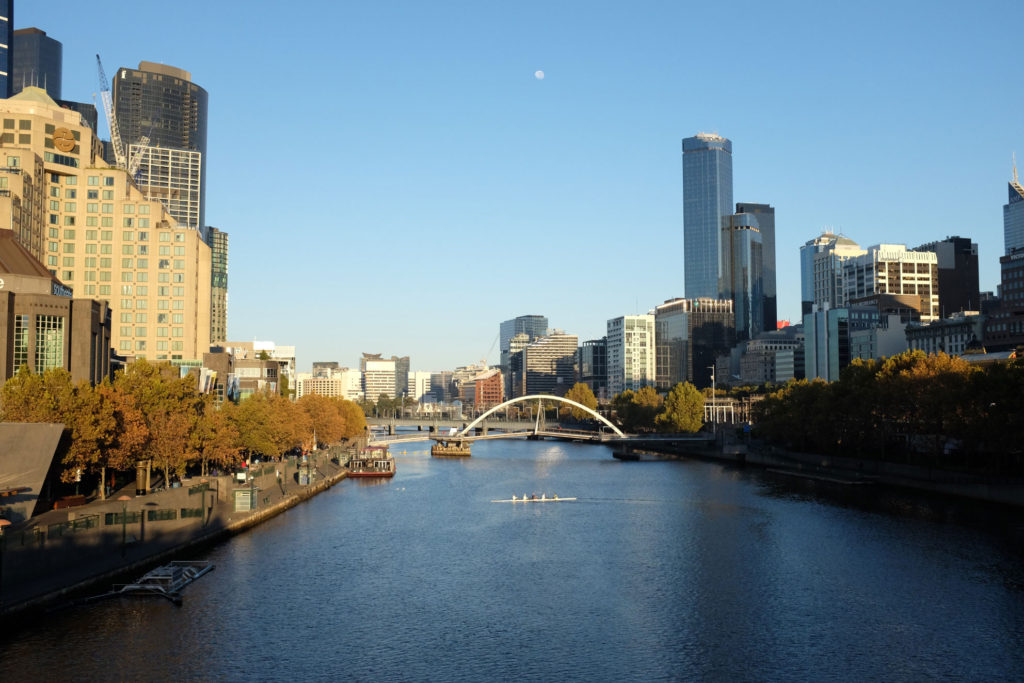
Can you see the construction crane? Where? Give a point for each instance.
(108, 109)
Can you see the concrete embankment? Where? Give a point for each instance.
(1002, 490)
(66, 554)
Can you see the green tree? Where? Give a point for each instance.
(684, 410)
(637, 410)
(582, 394)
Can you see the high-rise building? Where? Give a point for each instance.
(6, 46)
(1013, 216)
(689, 335)
(631, 353)
(742, 274)
(821, 271)
(418, 385)
(533, 326)
(707, 198)
(909, 279)
(957, 259)
(218, 242)
(378, 376)
(38, 61)
(162, 103)
(98, 234)
(593, 364)
(765, 215)
(549, 364)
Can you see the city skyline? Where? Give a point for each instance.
(406, 134)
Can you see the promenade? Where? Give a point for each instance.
(66, 553)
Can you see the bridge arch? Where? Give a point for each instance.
(544, 397)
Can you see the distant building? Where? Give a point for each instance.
(593, 365)
(630, 353)
(42, 326)
(953, 335)
(489, 389)
(1004, 328)
(37, 61)
(549, 364)
(707, 198)
(821, 271)
(771, 357)
(325, 368)
(418, 385)
(1013, 216)
(957, 259)
(6, 46)
(378, 376)
(510, 342)
(742, 273)
(689, 335)
(337, 383)
(765, 216)
(891, 269)
(218, 243)
(834, 337)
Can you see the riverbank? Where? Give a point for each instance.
(734, 449)
(64, 554)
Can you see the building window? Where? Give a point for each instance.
(109, 181)
(20, 341)
(49, 342)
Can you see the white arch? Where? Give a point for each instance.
(545, 397)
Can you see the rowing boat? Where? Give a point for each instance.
(533, 500)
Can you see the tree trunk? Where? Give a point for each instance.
(103, 482)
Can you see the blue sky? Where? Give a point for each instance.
(395, 179)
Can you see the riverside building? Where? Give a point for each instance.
(98, 234)
(689, 335)
(630, 353)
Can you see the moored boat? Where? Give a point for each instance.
(372, 461)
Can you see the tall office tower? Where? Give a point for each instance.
(896, 279)
(630, 350)
(707, 198)
(533, 326)
(378, 376)
(689, 335)
(765, 215)
(218, 242)
(549, 364)
(38, 61)
(957, 259)
(418, 385)
(593, 364)
(6, 46)
(401, 375)
(98, 234)
(1013, 216)
(821, 271)
(742, 278)
(163, 103)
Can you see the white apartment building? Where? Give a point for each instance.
(892, 269)
(419, 384)
(630, 353)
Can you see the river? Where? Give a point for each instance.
(659, 571)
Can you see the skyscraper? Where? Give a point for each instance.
(630, 353)
(161, 102)
(707, 198)
(534, 327)
(765, 215)
(6, 45)
(958, 274)
(821, 271)
(1013, 216)
(742, 273)
(37, 61)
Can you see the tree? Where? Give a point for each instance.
(214, 439)
(684, 410)
(637, 410)
(326, 420)
(582, 394)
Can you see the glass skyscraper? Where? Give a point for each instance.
(38, 62)
(6, 45)
(707, 198)
(163, 103)
(765, 215)
(1013, 217)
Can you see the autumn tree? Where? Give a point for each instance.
(637, 410)
(684, 410)
(582, 394)
(214, 438)
(325, 418)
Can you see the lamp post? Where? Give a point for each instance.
(124, 521)
(714, 417)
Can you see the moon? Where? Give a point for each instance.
(539, 75)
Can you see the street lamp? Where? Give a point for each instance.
(124, 521)
(714, 417)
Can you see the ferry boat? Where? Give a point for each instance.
(372, 461)
(166, 581)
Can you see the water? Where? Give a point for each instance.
(661, 571)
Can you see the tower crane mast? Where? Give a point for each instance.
(108, 109)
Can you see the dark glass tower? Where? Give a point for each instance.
(163, 103)
(37, 61)
(765, 216)
(6, 46)
(707, 198)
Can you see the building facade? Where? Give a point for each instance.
(821, 271)
(957, 260)
(549, 364)
(742, 274)
(1013, 216)
(218, 243)
(162, 103)
(38, 61)
(707, 198)
(953, 335)
(42, 326)
(689, 335)
(891, 269)
(378, 376)
(630, 353)
(593, 365)
(93, 229)
(6, 46)
(764, 214)
(489, 389)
